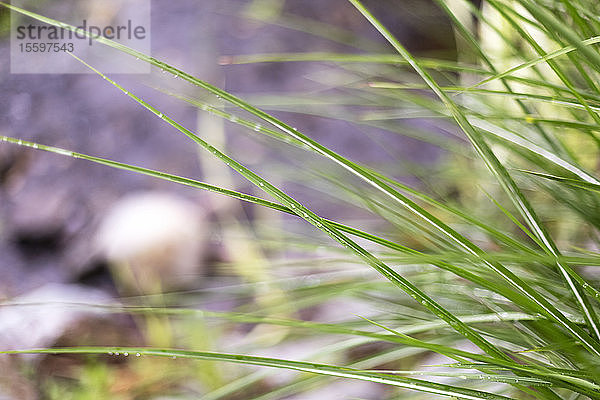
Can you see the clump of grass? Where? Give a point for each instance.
(498, 265)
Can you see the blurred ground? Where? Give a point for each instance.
(51, 206)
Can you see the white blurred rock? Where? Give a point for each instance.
(38, 318)
(153, 241)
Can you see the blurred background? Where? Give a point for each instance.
(75, 234)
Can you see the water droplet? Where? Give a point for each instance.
(138, 355)
(160, 115)
(257, 127)
(116, 353)
(125, 354)
(137, 58)
(233, 118)
(126, 93)
(110, 353)
(292, 206)
(261, 184)
(19, 141)
(163, 71)
(305, 215)
(63, 152)
(174, 357)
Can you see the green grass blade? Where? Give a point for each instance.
(473, 43)
(568, 181)
(526, 144)
(552, 23)
(546, 57)
(322, 369)
(444, 65)
(553, 65)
